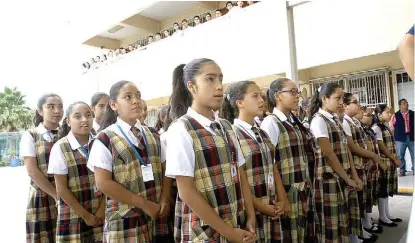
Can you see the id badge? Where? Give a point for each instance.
(147, 172)
(96, 191)
(270, 182)
(234, 172)
(344, 139)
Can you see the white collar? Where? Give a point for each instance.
(243, 124)
(347, 117)
(325, 113)
(95, 125)
(74, 142)
(127, 127)
(204, 121)
(41, 129)
(279, 114)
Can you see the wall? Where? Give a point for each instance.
(99, 41)
(146, 26)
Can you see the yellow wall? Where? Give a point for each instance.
(99, 41)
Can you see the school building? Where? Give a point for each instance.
(349, 42)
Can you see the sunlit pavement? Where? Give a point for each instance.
(14, 187)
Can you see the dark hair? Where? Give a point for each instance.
(347, 98)
(42, 100)
(228, 3)
(274, 87)
(161, 117)
(110, 116)
(150, 36)
(184, 20)
(181, 98)
(64, 129)
(97, 97)
(218, 10)
(158, 34)
(401, 100)
(196, 17)
(208, 14)
(327, 89)
(234, 92)
(378, 111)
(168, 120)
(176, 23)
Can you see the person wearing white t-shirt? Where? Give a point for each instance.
(99, 104)
(81, 208)
(337, 173)
(128, 161)
(204, 157)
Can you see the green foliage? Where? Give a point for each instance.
(13, 114)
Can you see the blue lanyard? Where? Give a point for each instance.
(135, 150)
(81, 147)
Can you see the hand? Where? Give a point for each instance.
(376, 158)
(251, 225)
(282, 207)
(240, 236)
(92, 220)
(351, 183)
(152, 209)
(397, 161)
(383, 166)
(100, 214)
(369, 164)
(359, 183)
(164, 207)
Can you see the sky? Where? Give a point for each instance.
(42, 47)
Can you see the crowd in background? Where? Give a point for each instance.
(178, 28)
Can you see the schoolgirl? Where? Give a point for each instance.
(127, 160)
(336, 180)
(204, 157)
(241, 104)
(292, 150)
(99, 102)
(35, 147)
(81, 208)
(372, 192)
(356, 142)
(388, 179)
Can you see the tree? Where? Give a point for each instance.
(13, 114)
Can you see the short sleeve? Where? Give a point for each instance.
(163, 151)
(319, 128)
(272, 129)
(240, 157)
(378, 133)
(57, 163)
(346, 128)
(100, 157)
(411, 31)
(180, 155)
(27, 145)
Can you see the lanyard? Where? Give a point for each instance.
(263, 151)
(135, 150)
(81, 147)
(227, 142)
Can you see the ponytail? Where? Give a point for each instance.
(110, 116)
(227, 112)
(271, 102)
(235, 92)
(38, 118)
(327, 89)
(315, 105)
(64, 129)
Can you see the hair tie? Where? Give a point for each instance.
(228, 97)
(319, 89)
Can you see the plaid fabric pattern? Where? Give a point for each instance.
(389, 179)
(81, 182)
(338, 142)
(41, 212)
(124, 222)
(372, 174)
(359, 137)
(258, 165)
(214, 183)
(291, 157)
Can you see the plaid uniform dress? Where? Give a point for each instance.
(389, 178)
(126, 223)
(359, 136)
(81, 182)
(372, 173)
(41, 210)
(214, 183)
(258, 166)
(291, 157)
(330, 197)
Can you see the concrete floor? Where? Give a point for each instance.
(14, 187)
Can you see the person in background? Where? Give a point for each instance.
(161, 117)
(196, 20)
(185, 24)
(150, 39)
(176, 27)
(208, 17)
(117, 52)
(103, 58)
(218, 13)
(402, 124)
(99, 102)
(229, 6)
(158, 36)
(137, 46)
(406, 52)
(305, 105)
(123, 51)
(93, 63)
(240, 4)
(166, 33)
(250, 3)
(144, 113)
(110, 55)
(130, 48)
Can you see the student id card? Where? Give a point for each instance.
(234, 172)
(147, 172)
(270, 182)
